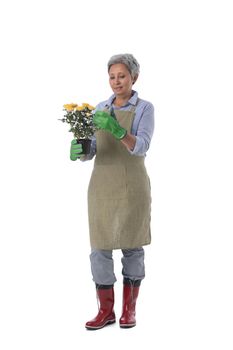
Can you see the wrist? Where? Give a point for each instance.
(120, 133)
(123, 134)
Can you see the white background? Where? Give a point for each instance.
(55, 52)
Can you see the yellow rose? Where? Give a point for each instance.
(73, 106)
(88, 106)
(79, 108)
(91, 107)
(70, 107)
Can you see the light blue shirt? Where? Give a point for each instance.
(142, 126)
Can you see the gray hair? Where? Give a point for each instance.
(128, 60)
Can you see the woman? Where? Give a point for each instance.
(119, 198)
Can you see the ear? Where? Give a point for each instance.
(135, 79)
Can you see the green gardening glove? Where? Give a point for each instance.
(105, 121)
(75, 150)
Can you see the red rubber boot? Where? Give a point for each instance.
(106, 314)
(130, 294)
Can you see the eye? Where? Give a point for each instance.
(112, 78)
(122, 76)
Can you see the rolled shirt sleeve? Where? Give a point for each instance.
(143, 130)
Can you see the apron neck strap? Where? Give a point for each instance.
(110, 109)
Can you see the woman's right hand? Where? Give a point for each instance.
(75, 150)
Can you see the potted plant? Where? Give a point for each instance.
(81, 123)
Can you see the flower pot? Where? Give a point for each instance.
(86, 145)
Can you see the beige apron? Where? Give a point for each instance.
(119, 198)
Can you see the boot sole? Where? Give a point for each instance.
(128, 325)
(107, 323)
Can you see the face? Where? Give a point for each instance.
(120, 80)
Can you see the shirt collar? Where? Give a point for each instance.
(132, 101)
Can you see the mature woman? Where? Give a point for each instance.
(119, 197)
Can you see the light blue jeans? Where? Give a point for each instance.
(102, 265)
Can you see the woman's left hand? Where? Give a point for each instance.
(105, 121)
